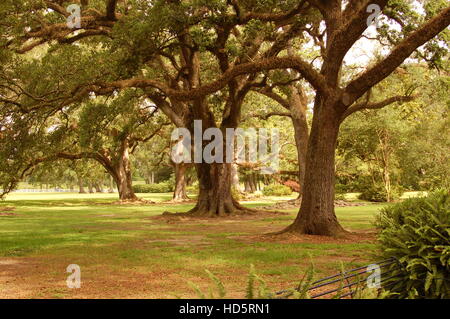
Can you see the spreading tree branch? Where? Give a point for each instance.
(378, 105)
(356, 88)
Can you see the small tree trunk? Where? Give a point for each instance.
(235, 177)
(247, 187)
(317, 216)
(111, 184)
(253, 183)
(179, 193)
(91, 188)
(298, 103)
(80, 184)
(98, 188)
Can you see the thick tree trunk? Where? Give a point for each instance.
(317, 216)
(215, 197)
(179, 193)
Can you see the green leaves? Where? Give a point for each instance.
(416, 232)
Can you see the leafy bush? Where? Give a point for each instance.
(417, 233)
(377, 193)
(193, 189)
(163, 187)
(339, 196)
(352, 183)
(340, 188)
(276, 190)
(236, 194)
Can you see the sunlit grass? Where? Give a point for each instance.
(89, 229)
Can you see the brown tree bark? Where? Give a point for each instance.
(215, 197)
(296, 103)
(297, 108)
(317, 215)
(179, 193)
(120, 170)
(98, 188)
(250, 185)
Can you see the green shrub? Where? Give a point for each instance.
(377, 193)
(339, 196)
(163, 187)
(417, 233)
(192, 189)
(276, 190)
(236, 194)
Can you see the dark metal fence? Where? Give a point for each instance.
(346, 284)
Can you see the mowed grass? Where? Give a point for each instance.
(130, 251)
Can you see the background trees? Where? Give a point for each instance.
(199, 60)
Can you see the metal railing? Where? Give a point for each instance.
(346, 284)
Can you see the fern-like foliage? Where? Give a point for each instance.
(417, 233)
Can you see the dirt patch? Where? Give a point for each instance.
(8, 214)
(138, 202)
(7, 211)
(290, 238)
(184, 201)
(295, 204)
(251, 215)
(183, 241)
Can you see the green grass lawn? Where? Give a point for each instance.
(130, 251)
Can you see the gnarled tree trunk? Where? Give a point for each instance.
(121, 172)
(215, 197)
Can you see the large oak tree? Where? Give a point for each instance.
(182, 27)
